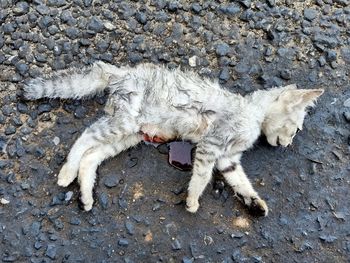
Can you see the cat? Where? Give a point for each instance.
(150, 101)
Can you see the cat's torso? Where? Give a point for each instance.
(173, 104)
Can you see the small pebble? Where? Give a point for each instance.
(286, 74)
(176, 245)
(331, 55)
(302, 177)
(132, 162)
(216, 193)
(246, 3)
(10, 130)
(96, 25)
(313, 168)
(237, 234)
(28, 252)
(346, 115)
(104, 201)
(156, 207)
(51, 251)
(192, 61)
(44, 108)
(109, 26)
(328, 238)
(224, 74)
(196, 8)
(123, 242)
(56, 140)
(123, 203)
(21, 8)
(222, 49)
(141, 18)
(163, 148)
(187, 260)
(68, 196)
(310, 14)
(38, 245)
(347, 103)
(43, 9)
(25, 186)
(4, 201)
(130, 228)
(80, 112)
(111, 181)
(173, 6)
(322, 61)
(11, 178)
(75, 221)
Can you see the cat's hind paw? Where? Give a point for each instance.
(66, 176)
(192, 205)
(258, 207)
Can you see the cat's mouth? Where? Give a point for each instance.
(152, 139)
(153, 134)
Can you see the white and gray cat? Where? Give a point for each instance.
(174, 104)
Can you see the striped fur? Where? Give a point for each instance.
(174, 104)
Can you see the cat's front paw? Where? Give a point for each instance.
(86, 203)
(192, 205)
(88, 207)
(258, 207)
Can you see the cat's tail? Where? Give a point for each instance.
(72, 83)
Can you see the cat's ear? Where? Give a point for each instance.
(299, 98)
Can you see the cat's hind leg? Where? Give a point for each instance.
(235, 176)
(93, 157)
(87, 140)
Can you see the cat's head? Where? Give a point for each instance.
(285, 115)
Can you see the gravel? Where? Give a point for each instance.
(139, 212)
